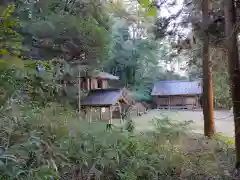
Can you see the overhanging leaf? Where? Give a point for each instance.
(152, 12)
(3, 52)
(144, 3)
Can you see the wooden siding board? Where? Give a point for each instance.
(175, 101)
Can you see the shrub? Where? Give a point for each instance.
(52, 142)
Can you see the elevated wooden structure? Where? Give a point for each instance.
(104, 102)
(177, 94)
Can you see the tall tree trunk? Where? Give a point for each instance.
(209, 125)
(233, 63)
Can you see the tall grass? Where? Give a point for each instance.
(53, 143)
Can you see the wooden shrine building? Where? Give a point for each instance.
(177, 94)
(101, 103)
(102, 100)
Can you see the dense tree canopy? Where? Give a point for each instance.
(136, 60)
(118, 37)
(64, 29)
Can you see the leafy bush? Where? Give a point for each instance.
(142, 96)
(222, 95)
(53, 143)
(20, 77)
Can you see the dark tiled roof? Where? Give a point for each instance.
(177, 87)
(102, 97)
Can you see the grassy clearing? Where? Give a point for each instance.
(224, 125)
(53, 143)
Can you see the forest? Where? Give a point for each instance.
(46, 42)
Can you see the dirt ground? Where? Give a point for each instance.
(223, 120)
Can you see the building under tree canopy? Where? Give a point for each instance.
(105, 102)
(177, 94)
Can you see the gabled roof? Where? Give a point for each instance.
(177, 87)
(102, 97)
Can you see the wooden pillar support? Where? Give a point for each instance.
(137, 110)
(90, 83)
(196, 102)
(169, 101)
(110, 115)
(183, 102)
(120, 112)
(87, 84)
(85, 113)
(100, 113)
(193, 104)
(90, 115)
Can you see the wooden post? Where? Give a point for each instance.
(196, 102)
(182, 102)
(90, 114)
(137, 110)
(87, 84)
(169, 102)
(110, 115)
(193, 103)
(90, 83)
(87, 113)
(100, 113)
(120, 111)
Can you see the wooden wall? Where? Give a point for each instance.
(93, 83)
(105, 84)
(87, 83)
(165, 101)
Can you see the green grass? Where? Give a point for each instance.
(227, 140)
(53, 143)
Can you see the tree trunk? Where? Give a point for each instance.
(209, 125)
(233, 63)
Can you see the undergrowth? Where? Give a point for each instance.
(53, 143)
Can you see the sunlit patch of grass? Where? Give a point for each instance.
(225, 139)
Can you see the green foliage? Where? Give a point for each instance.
(20, 78)
(52, 143)
(226, 140)
(220, 77)
(10, 41)
(53, 29)
(170, 129)
(140, 95)
(136, 60)
(222, 90)
(129, 126)
(151, 9)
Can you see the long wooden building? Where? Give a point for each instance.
(177, 94)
